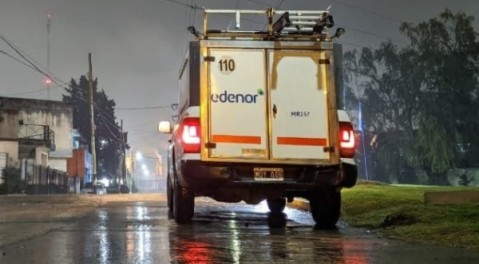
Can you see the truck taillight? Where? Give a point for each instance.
(189, 133)
(346, 140)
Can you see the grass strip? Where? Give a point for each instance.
(399, 211)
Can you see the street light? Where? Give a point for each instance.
(139, 156)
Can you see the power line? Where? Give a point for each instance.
(25, 64)
(105, 115)
(357, 7)
(279, 5)
(16, 59)
(143, 123)
(258, 3)
(115, 136)
(27, 92)
(141, 108)
(142, 133)
(263, 4)
(145, 141)
(196, 7)
(99, 110)
(374, 35)
(29, 66)
(36, 66)
(32, 64)
(351, 44)
(183, 4)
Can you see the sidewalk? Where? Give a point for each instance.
(24, 207)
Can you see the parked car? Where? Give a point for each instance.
(99, 188)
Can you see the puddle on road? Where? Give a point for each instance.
(219, 233)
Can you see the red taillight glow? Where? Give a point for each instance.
(346, 140)
(190, 135)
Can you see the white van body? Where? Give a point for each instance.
(258, 119)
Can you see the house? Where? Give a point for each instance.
(80, 165)
(35, 130)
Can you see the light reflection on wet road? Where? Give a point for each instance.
(220, 233)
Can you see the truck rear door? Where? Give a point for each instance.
(268, 105)
(299, 104)
(237, 104)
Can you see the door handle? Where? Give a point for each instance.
(275, 111)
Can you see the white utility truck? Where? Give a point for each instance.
(258, 117)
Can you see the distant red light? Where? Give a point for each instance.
(48, 81)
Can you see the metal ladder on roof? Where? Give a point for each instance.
(279, 22)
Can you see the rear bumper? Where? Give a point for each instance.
(206, 178)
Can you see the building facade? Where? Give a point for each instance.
(35, 130)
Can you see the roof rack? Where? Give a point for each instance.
(288, 22)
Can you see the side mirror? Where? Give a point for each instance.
(164, 127)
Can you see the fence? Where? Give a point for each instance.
(43, 180)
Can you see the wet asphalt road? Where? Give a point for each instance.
(140, 232)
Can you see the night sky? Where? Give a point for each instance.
(138, 45)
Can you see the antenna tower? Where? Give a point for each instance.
(48, 80)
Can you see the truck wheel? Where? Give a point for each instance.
(276, 205)
(169, 196)
(325, 206)
(183, 204)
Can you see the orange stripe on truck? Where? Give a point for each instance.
(299, 141)
(236, 139)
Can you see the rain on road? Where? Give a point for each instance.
(140, 232)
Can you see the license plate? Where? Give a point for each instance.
(268, 174)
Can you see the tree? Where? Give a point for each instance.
(12, 181)
(386, 83)
(422, 100)
(448, 53)
(107, 133)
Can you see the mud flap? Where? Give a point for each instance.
(349, 175)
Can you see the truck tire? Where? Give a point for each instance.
(183, 204)
(169, 196)
(276, 205)
(325, 206)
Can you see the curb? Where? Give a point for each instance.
(79, 198)
(451, 197)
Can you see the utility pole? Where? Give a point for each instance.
(123, 155)
(92, 118)
(360, 115)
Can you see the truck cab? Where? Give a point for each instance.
(258, 118)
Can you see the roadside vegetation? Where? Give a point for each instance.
(400, 212)
(418, 100)
(12, 181)
(110, 140)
